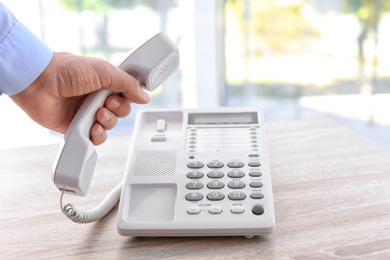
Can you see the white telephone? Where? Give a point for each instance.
(189, 172)
(199, 172)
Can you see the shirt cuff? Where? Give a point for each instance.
(23, 57)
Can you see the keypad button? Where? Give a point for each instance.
(194, 185)
(258, 210)
(236, 174)
(237, 209)
(215, 185)
(255, 173)
(257, 195)
(237, 195)
(215, 164)
(193, 210)
(215, 174)
(256, 184)
(236, 184)
(195, 174)
(215, 195)
(195, 165)
(254, 163)
(215, 210)
(194, 196)
(235, 164)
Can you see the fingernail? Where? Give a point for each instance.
(106, 117)
(99, 130)
(114, 104)
(146, 96)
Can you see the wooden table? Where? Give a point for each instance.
(331, 192)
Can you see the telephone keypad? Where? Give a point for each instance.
(215, 189)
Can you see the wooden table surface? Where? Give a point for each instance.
(331, 192)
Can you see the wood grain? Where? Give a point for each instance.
(331, 191)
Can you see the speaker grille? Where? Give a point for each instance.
(155, 163)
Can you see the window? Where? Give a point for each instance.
(290, 58)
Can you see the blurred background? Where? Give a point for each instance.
(290, 58)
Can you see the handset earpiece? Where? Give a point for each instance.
(151, 63)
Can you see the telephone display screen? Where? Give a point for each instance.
(222, 118)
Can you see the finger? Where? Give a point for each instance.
(106, 118)
(118, 105)
(98, 134)
(121, 81)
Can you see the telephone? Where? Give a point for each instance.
(199, 172)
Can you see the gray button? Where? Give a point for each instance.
(257, 210)
(237, 195)
(215, 195)
(215, 185)
(236, 174)
(256, 184)
(194, 196)
(236, 184)
(254, 163)
(195, 174)
(257, 195)
(195, 165)
(215, 164)
(255, 173)
(215, 174)
(194, 185)
(235, 164)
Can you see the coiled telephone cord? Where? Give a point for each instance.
(95, 214)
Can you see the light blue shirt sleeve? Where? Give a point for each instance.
(23, 56)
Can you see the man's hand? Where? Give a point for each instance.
(54, 97)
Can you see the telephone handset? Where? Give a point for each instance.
(151, 63)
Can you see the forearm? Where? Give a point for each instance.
(23, 56)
